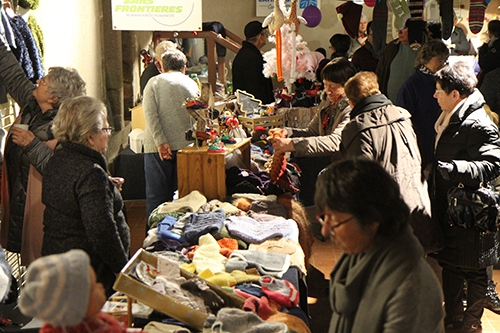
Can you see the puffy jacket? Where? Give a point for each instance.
(471, 141)
(17, 159)
(383, 132)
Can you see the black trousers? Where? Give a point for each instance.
(453, 289)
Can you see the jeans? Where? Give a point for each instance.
(161, 180)
(453, 289)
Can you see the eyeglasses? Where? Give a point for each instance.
(440, 91)
(321, 219)
(107, 130)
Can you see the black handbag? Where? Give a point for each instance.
(473, 208)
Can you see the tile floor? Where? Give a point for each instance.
(321, 256)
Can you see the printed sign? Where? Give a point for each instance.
(156, 15)
(265, 7)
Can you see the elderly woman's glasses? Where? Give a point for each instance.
(321, 219)
(107, 130)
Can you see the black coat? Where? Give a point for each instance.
(247, 73)
(18, 159)
(84, 210)
(471, 141)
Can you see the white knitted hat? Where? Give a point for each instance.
(57, 288)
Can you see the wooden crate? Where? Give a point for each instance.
(198, 169)
(265, 121)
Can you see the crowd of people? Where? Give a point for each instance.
(393, 132)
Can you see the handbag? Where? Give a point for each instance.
(473, 208)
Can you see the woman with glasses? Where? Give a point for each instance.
(83, 205)
(467, 152)
(28, 147)
(318, 145)
(381, 282)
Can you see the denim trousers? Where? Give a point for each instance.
(453, 289)
(161, 180)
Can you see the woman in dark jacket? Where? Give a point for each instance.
(23, 148)
(83, 206)
(489, 53)
(467, 151)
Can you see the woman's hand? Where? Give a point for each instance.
(118, 182)
(21, 137)
(282, 145)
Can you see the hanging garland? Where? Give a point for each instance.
(29, 4)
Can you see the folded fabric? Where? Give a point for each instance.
(253, 231)
(231, 320)
(189, 203)
(217, 204)
(261, 306)
(280, 291)
(199, 224)
(198, 287)
(284, 245)
(207, 256)
(275, 264)
(157, 327)
(253, 196)
(164, 230)
(269, 207)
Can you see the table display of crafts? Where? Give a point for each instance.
(212, 128)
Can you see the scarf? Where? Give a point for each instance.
(443, 122)
(362, 284)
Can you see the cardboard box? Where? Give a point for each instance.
(138, 119)
(138, 290)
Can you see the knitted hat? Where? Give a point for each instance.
(57, 288)
(252, 29)
(350, 15)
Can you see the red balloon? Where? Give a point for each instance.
(312, 14)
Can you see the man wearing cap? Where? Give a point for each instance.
(248, 65)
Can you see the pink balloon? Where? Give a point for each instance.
(312, 14)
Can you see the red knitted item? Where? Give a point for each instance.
(280, 291)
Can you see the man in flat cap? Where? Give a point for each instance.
(249, 64)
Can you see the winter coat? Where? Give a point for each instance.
(247, 73)
(488, 57)
(17, 160)
(383, 132)
(471, 141)
(384, 64)
(84, 210)
(318, 140)
(417, 96)
(390, 288)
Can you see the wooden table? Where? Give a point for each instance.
(205, 171)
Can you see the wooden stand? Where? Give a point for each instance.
(198, 169)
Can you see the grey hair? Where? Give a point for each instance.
(173, 60)
(65, 83)
(163, 47)
(77, 118)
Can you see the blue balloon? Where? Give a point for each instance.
(312, 14)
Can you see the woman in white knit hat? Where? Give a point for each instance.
(62, 290)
